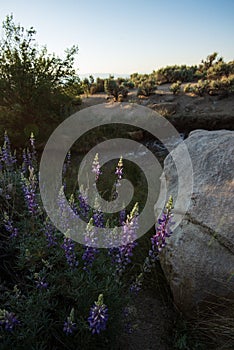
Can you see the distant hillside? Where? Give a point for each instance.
(103, 75)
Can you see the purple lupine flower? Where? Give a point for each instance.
(158, 241)
(69, 325)
(135, 287)
(98, 218)
(88, 257)
(83, 203)
(90, 251)
(32, 141)
(98, 316)
(119, 173)
(33, 150)
(122, 216)
(6, 156)
(29, 156)
(8, 320)
(68, 246)
(130, 227)
(123, 254)
(62, 203)
(119, 169)
(73, 204)
(67, 213)
(40, 282)
(50, 234)
(96, 167)
(8, 224)
(29, 190)
(26, 162)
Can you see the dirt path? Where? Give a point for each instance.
(92, 100)
(101, 97)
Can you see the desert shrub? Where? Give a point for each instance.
(56, 293)
(171, 74)
(140, 79)
(220, 86)
(187, 88)
(231, 83)
(86, 85)
(217, 71)
(123, 90)
(93, 89)
(100, 85)
(135, 79)
(112, 88)
(175, 88)
(147, 88)
(200, 88)
(120, 80)
(214, 68)
(128, 84)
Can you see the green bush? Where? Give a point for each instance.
(35, 87)
(112, 88)
(147, 88)
(188, 88)
(172, 74)
(200, 88)
(100, 85)
(175, 88)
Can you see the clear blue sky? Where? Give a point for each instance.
(127, 36)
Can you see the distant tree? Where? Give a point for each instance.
(86, 86)
(111, 87)
(34, 86)
(100, 85)
(209, 60)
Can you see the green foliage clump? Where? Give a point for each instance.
(115, 88)
(187, 88)
(222, 87)
(175, 88)
(200, 88)
(36, 88)
(145, 83)
(89, 86)
(146, 89)
(172, 74)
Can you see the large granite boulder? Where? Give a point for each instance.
(198, 260)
